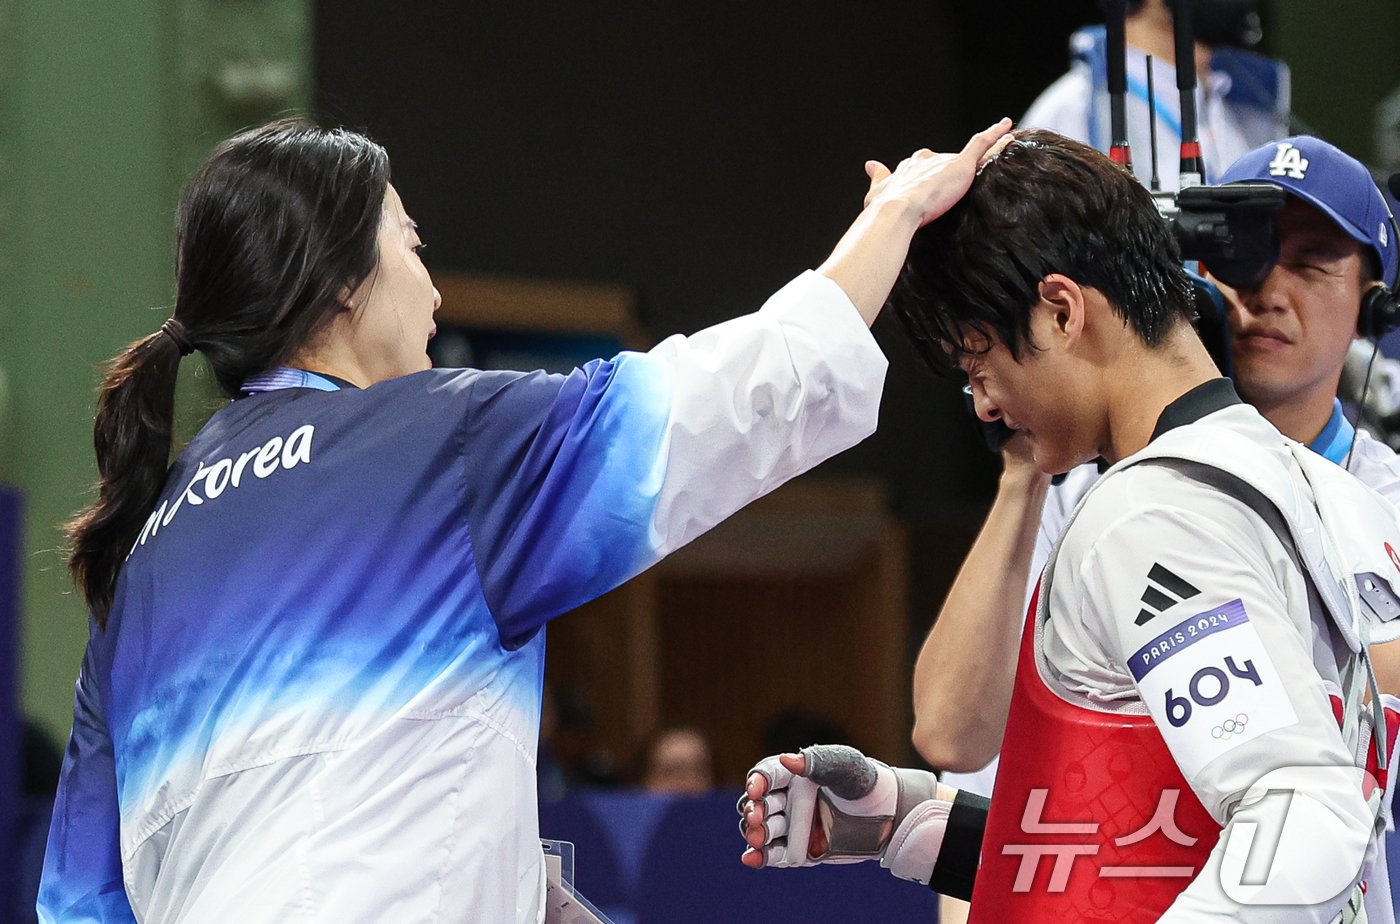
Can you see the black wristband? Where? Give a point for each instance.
(956, 868)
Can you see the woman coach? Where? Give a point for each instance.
(312, 686)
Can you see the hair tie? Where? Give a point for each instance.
(176, 332)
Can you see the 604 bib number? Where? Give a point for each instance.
(1208, 686)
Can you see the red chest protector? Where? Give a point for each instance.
(1088, 815)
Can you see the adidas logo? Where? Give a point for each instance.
(1165, 591)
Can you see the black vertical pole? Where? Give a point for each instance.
(1193, 170)
(1115, 14)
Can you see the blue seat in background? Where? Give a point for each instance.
(678, 863)
(34, 815)
(11, 523)
(691, 871)
(598, 874)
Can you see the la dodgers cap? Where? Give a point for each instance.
(1335, 182)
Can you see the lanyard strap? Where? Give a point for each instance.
(1139, 89)
(1335, 439)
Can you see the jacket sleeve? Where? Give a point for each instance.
(576, 483)
(82, 877)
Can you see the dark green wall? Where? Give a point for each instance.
(1345, 57)
(88, 171)
(105, 107)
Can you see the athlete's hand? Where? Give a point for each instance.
(1018, 465)
(832, 804)
(931, 183)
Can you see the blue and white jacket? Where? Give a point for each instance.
(318, 693)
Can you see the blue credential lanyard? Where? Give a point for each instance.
(284, 377)
(1334, 442)
(1139, 89)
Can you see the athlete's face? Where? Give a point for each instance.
(1033, 396)
(1289, 336)
(393, 308)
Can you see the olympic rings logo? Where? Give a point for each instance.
(1230, 727)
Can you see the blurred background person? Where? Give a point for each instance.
(679, 762)
(1242, 98)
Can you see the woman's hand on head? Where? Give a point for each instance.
(929, 183)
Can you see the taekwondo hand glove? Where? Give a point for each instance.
(839, 806)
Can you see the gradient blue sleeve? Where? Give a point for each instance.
(82, 879)
(562, 475)
(576, 483)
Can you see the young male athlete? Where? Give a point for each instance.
(1290, 337)
(1138, 735)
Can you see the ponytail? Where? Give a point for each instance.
(132, 436)
(272, 228)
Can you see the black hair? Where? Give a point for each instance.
(1044, 205)
(275, 227)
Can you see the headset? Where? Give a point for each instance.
(1380, 306)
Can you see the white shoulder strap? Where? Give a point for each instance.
(1346, 535)
(1347, 539)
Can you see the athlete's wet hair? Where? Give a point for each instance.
(277, 226)
(1044, 205)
